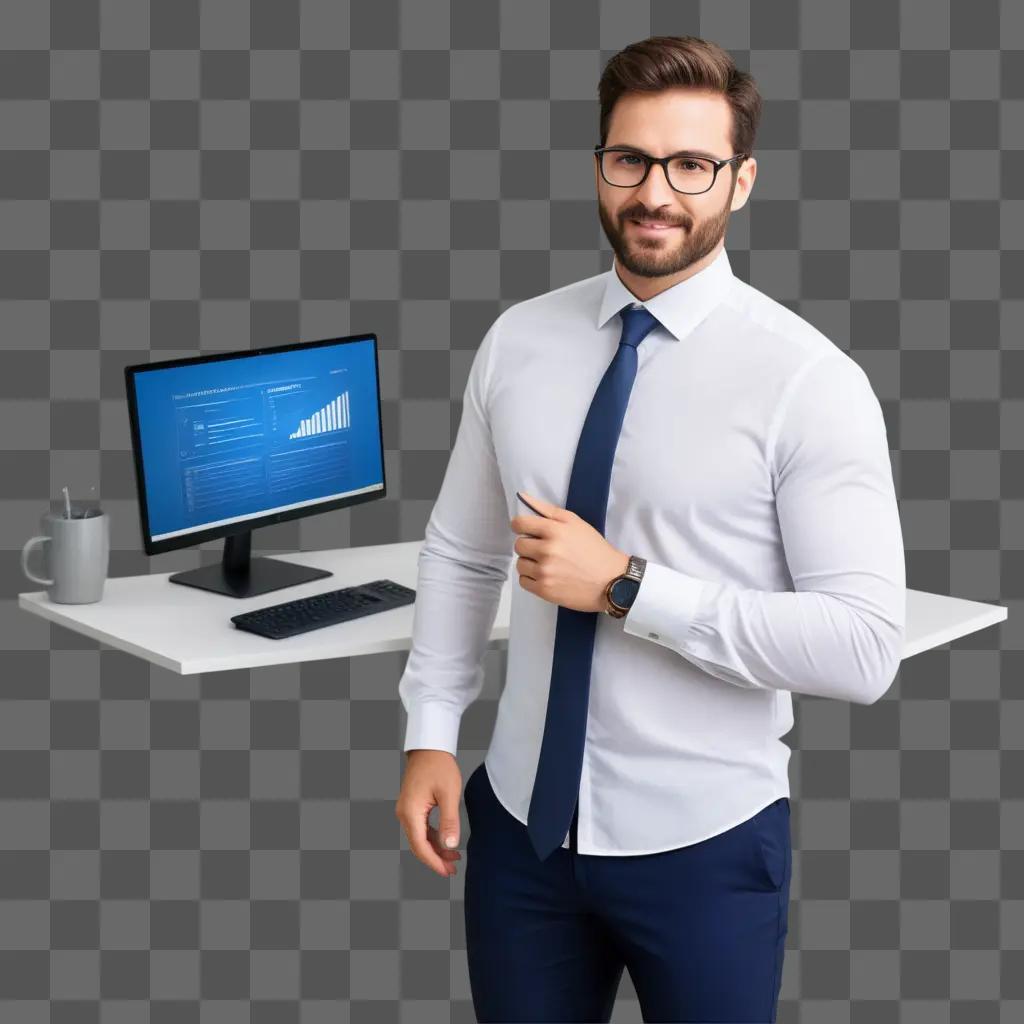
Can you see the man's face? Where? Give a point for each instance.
(660, 124)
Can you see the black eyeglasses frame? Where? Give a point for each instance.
(663, 160)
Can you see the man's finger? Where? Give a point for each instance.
(435, 840)
(449, 820)
(419, 843)
(530, 526)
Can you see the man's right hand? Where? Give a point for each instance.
(432, 777)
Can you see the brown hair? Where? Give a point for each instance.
(669, 62)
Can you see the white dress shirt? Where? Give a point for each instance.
(752, 472)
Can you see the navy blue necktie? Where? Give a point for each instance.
(557, 783)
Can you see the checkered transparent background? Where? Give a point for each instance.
(178, 177)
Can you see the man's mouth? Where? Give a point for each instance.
(653, 226)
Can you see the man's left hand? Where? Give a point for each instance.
(564, 560)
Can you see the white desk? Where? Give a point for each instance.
(189, 630)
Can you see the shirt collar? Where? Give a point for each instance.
(678, 309)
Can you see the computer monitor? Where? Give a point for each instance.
(228, 442)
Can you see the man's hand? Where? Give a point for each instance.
(564, 559)
(432, 779)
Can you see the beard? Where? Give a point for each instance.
(649, 256)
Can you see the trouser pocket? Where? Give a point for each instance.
(772, 845)
(470, 788)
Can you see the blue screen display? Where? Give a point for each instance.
(239, 438)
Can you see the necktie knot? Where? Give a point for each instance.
(636, 325)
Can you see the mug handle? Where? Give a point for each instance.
(24, 560)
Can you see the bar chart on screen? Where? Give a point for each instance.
(333, 416)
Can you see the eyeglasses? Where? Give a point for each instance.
(627, 168)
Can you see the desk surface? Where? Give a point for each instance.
(188, 630)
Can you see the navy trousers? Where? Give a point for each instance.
(701, 928)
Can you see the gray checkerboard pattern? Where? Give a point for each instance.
(178, 177)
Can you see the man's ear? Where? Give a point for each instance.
(748, 174)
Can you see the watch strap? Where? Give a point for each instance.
(636, 567)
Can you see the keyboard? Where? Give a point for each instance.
(278, 621)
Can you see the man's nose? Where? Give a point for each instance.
(655, 190)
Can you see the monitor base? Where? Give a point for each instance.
(239, 575)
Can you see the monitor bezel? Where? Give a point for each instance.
(272, 518)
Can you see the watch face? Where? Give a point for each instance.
(624, 592)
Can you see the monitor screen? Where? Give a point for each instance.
(277, 433)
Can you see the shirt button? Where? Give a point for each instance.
(654, 636)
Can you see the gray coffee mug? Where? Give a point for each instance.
(78, 557)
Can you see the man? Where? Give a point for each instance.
(697, 485)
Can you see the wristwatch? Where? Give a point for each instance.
(621, 591)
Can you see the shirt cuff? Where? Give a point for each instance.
(432, 725)
(664, 606)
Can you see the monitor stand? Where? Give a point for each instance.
(238, 575)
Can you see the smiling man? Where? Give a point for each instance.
(696, 482)
(659, 235)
